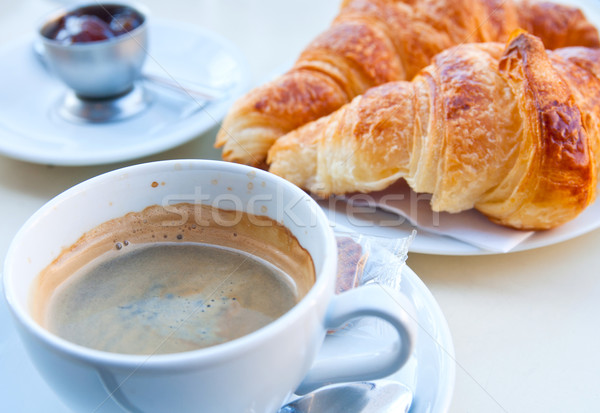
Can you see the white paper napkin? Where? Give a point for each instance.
(469, 226)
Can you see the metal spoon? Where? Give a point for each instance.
(378, 396)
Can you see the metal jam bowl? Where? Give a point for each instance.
(98, 69)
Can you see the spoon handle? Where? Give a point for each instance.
(183, 87)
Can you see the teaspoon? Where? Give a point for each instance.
(379, 396)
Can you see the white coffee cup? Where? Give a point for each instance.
(255, 373)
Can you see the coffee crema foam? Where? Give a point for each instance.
(172, 279)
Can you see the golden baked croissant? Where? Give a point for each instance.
(372, 42)
(513, 131)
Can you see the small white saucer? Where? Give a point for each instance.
(430, 373)
(32, 129)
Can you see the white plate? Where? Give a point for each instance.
(384, 224)
(429, 243)
(395, 226)
(32, 130)
(430, 372)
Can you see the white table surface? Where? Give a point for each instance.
(525, 325)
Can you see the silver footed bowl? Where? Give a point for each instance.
(93, 66)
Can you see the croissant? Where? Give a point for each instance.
(372, 42)
(513, 131)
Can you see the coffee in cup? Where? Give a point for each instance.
(166, 280)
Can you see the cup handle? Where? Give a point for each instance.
(340, 358)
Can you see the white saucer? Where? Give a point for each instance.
(31, 128)
(430, 372)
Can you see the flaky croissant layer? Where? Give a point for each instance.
(372, 42)
(510, 130)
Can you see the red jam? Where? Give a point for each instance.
(93, 23)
